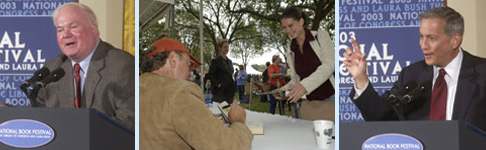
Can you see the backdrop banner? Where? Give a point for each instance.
(28, 40)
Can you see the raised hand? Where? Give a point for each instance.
(355, 62)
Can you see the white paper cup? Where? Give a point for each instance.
(323, 131)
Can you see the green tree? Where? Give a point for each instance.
(219, 23)
(320, 15)
(251, 27)
(148, 37)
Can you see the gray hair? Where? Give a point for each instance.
(89, 12)
(454, 23)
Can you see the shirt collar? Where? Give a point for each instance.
(308, 37)
(452, 69)
(84, 64)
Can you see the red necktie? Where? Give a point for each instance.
(439, 98)
(77, 77)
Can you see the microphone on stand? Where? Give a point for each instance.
(55, 76)
(38, 75)
(407, 87)
(412, 100)
(394, 98)
(417, 92)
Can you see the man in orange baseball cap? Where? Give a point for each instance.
(168, 44)
(172, 110)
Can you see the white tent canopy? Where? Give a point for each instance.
(152, 11)
(250, 70)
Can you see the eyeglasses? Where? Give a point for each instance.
(190, 63)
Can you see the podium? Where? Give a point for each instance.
(83, 129)
(454, 135)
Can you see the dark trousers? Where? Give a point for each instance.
(263, 98)
(220, 99)
(273, 102)
(241, 91)
(224, 93)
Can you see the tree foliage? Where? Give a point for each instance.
(219, 23)
(252, 27)
(149, 36)
(320, 15)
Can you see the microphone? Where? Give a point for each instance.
(55, 76)
(417, 92)
(38, 75)
(405, 89)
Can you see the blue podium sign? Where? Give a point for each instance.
(25, 133)
(391, 141)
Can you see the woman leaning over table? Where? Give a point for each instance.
(311, 64)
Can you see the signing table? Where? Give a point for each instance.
(281, 132)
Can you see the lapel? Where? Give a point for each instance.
(93, 77)
(66, 93)
(225, 65)
(316, 46)
(427, 76)
(466, 87)
(290, 55)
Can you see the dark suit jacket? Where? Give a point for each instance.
(221, 72)
(469, 103)
(109, 85)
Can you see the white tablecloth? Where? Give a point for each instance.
(281, 132)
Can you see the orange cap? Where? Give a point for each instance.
(168, 44)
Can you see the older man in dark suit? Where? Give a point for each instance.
(97, 74)
(458, 78)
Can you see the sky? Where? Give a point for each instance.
(259, 60)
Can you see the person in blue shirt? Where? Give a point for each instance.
(240, 82)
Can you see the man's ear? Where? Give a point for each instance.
(94, 29)
(172, 60)
(456, 40)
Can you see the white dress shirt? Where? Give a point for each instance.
(83, 71)
(452, 76)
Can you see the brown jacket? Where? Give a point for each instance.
(174, 116)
